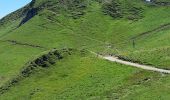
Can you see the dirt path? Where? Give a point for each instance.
(146, 67)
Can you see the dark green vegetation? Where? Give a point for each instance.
(133, 29)
(131, 10)
(162, 2)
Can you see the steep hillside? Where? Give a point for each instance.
(89, 24)
(135, 30)
(11, 21)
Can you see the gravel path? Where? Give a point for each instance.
(146, 67)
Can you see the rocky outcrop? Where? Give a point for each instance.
(31, 13)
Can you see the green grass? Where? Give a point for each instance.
(13, 58)
(84, 76)
(80, 76)
(95, 29)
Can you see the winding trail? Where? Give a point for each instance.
(146, 67)
(137, 65)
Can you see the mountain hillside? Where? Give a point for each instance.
(33, 38)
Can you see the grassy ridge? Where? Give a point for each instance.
(81, 76)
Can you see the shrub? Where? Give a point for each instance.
(113, 9)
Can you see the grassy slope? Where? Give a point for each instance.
(13, 58)
(4, 29)
(81, 76)
(102, 30)
(151, 49)
(63, 31)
